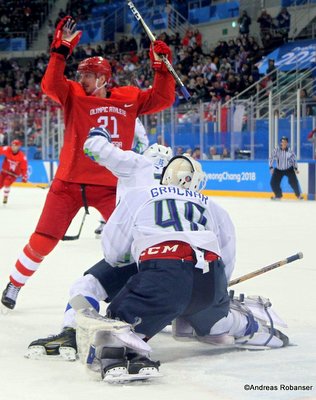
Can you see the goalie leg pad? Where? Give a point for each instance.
(249, 324)
(257, 305)
(183, 331)
(99, 332)
(260, 330)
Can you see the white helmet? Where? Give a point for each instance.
(158, 154)
(185, 172)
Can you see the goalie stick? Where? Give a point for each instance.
(266, 269)
(165, 60)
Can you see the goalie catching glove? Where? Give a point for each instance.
(66, 37)
(156, 49)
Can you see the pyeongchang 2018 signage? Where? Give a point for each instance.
(291, 56)
(244, 176)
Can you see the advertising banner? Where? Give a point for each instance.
(292, 56)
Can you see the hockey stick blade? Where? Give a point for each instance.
(165, 60)
(76, 237)
(41, 187)
(260, 271)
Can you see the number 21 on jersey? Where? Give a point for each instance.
(109, 123)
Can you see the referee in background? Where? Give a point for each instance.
(286, 165)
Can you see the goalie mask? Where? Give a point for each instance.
(183, 171)
(158, 154)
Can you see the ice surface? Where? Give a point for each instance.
(266, 231)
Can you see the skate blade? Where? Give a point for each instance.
(126, 378)
(39, 353)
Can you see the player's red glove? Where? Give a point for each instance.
(24, 179)
(157, 48)
(66, 37)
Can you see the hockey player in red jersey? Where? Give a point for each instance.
(13, 166)
(79, 182)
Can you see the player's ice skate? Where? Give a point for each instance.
(62, 346)
(10, 295)
(99, 229)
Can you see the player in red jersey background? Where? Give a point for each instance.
(80, 182)
(13, 166)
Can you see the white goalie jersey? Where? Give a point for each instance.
(148, 216)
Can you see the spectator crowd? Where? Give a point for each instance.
(212, 75)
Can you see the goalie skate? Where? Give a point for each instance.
(62, 346)
(131, 368)
(126, 378)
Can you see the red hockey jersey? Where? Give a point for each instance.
(14, 164)
(117, 113)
